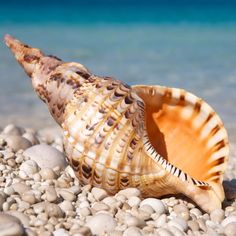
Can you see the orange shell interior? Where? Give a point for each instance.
(175, 137)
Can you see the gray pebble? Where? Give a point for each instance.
(46, 156)
(13, 130)
(31, 137)
(17, 143)
(10, 225)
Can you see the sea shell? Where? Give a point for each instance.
(158, 139)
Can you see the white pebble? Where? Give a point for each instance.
(99, 194)
(30, 167)
(228, 220)
(101, 224)
(46, 156)
(129, 192)
(157, 205)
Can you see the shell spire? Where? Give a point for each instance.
(158, 139)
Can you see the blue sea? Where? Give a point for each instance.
(187, 44)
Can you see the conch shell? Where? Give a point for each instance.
(161, 140)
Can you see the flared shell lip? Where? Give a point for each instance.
(190, 99)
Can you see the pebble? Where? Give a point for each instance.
(31, 137)
(230, 229)
(228, 220)
(129, 192)
(24, 219)
(182, 211)
(193, 225)
(217, 215)
(66, 206)
(53, 209)
(164, 232)
(157, 205)
(46, 156)
(11, 129)
(101, 224)
(99, 194)
(17, 142)
(29, 197)
(47, 173)
(30, 167)
(134, 221)
(51, 194)
(20, 188)
(134, 201)
(179, 223)
(133, 231)
(10, 225)
(67, 195)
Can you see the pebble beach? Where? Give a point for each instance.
(40, 195)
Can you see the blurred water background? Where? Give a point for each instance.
(187, 44)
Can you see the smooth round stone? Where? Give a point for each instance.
(39, 207)
(179, 223)
(20, 188)
(164, 232)
(134, 221)
(230, 229)
(24, 219)
(51, 194)
(66, 206)
(46, 156)
(100, 206)
(60, 232)
(10, 225)
(129, 192)
(193, 225)
(228, 220)
(47, 173)
(13, 130)
(53, 210)
(30, 167)
(67, 195)
(147, 208)
(217, 215)
(161, 220)
(157, 205)
(31, 137)
(29, 197)
(101, 224)
(196, 212)
(98, 193)
(132, 231)
(182, 211)
(85, 211)
(134, 201)
(17, 142)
